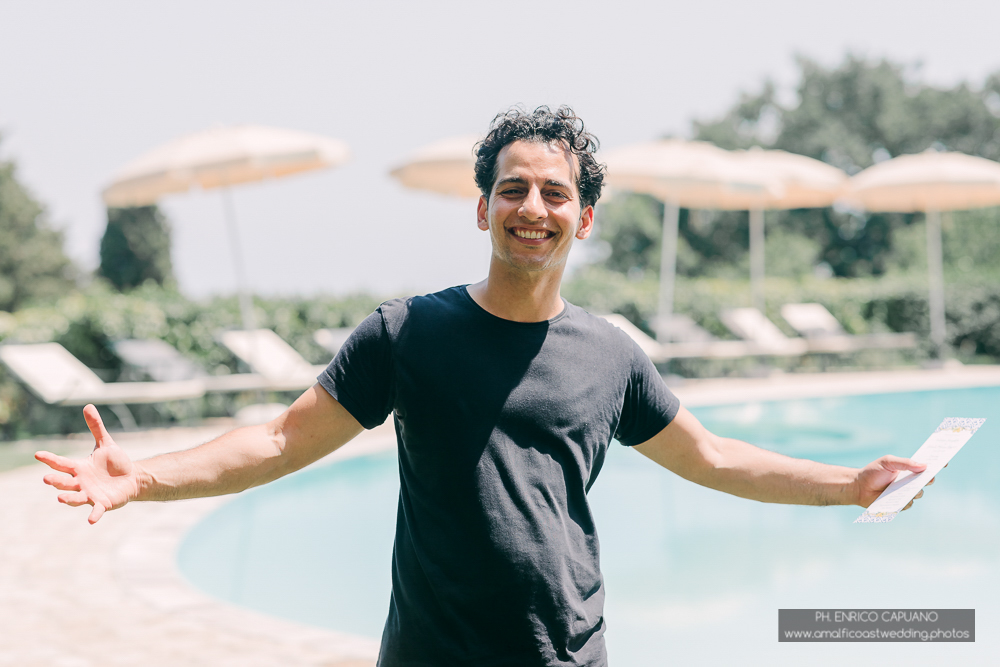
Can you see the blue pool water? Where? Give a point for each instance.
(693, 576)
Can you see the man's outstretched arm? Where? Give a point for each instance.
(311, 428)
(693, 452)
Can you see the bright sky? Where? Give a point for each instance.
(87, 86)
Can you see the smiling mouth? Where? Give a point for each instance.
(531, 234)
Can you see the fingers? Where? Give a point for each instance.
(920, 494)
(898, 463)
(62, 482)
(96, 425)
(96, 513)
(930, 482)
(79, 498)
(56, 462)
(74, 499)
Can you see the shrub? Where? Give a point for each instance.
(862, 305)
(87, 322)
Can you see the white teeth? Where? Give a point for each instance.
(529, 234)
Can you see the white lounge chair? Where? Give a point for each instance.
(652, 348)
(332, 339)
(163, 363)
(661, 352)
(823, 332)
(59, 378)
(156, 359)
(680, 328)
(269, 356)
(763, 337)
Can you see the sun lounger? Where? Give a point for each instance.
(268, 355)
(823, 332)
(661, 352)
(762, 336)
(679, 328)
(59, 378)
(156, 359)
(162, 362)
(688, 340)
(332, 339)
(652, 348)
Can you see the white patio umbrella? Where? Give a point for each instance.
(446, 166)
(929, 182)
(219, 158)
(689, 174)
(805, 183)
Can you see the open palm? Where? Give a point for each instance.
(106, 479)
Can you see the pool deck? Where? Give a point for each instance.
(785, 386)
(75, 595)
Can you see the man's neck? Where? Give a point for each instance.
(519, 296)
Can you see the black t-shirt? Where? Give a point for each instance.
(502, 429)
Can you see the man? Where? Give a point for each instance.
(505, 400)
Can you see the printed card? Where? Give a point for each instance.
(943, 444)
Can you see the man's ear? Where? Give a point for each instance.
(481, 210)
(586, 223)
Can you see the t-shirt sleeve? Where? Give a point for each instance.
(360, 376)
(649, 405)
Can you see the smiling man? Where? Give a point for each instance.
(505, 399)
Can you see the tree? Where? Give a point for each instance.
(32, 262)
(853, 116)
(629, 228)
(136, 247)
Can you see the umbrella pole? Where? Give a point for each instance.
(757, 258)
(935, 274)
(246, 301)
(668, 269)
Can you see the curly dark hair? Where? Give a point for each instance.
(545, 126)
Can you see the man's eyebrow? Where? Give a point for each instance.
(521, 181)
(511, 179)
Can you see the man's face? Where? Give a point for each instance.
(534, 211)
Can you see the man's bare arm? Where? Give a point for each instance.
(693, 452)
(311, 428)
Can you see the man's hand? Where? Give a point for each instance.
(876, 476)
(107, 479)
(315, 425)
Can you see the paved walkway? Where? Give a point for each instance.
(785, 386)
(75, 595)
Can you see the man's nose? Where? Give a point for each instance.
(533, 208)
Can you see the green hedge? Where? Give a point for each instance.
(863, 305)
(87, 322)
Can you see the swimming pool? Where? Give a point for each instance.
(693, 576)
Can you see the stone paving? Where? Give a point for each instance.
(75, 595)
(785, 386)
